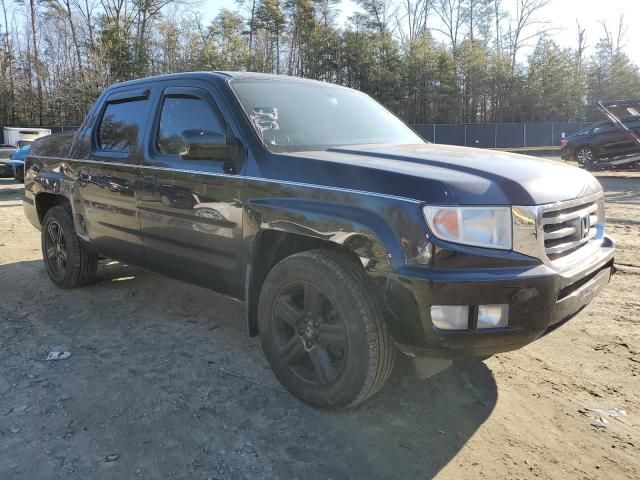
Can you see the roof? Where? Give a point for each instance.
(220, 75)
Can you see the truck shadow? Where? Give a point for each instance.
(166, 373)
(623, 190)
(10, 189)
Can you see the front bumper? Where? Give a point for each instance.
(30, 209)
(566, 153)
(540, 299)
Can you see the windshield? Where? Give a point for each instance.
(291, 115)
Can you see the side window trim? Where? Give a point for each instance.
(122, 96)
(141, 94)
(195, 92)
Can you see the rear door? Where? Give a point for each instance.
(190, 210)
(107, 157)
(632, 146)
(606, 138)
(620, 142)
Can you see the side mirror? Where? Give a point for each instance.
(204, 145)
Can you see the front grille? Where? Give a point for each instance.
(568, 229)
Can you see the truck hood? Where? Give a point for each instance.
(454, 175)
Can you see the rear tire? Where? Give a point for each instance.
(585, 155)
(322, 330)
(68, 262)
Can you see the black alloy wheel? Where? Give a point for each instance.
(322, 329)
(69, 263)
(55, 249)
(309, 333)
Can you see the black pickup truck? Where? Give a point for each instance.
(347, 236)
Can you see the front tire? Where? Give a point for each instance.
(68, 262)
(322, 330)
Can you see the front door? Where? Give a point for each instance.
(190, 210)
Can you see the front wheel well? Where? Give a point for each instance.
(45, 201)
(269, 248)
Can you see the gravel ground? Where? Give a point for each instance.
(162, 382)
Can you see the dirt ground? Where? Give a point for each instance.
(163, 383)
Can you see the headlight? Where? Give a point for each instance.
(488, 227)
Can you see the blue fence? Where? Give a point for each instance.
(500, 135)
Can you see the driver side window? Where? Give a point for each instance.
(181, 113)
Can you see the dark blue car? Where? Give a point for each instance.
(600, 141)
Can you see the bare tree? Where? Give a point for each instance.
(7, 70)
(63, 7)
(499, 15)
(582, 42)
(451, 14)
(616, 44)
(35, 59)
(85, 9)
(252, 6)
(477, 15)
(411, 19)
(380, 13)
(146, 11)
(526, 16)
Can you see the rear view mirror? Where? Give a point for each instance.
(204, 145)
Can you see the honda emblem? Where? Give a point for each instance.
(585, 226)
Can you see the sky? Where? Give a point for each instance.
(562, 15)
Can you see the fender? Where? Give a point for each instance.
(45, 178)
(47, 172)
(363, 231)
(368, 229)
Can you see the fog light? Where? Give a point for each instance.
(450, 317)
(493, 316)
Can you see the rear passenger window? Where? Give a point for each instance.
(607, 128)
(120, 125)
(181, 113)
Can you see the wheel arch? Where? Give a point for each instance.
(281, 231)
(44, 201)
(272, 246)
